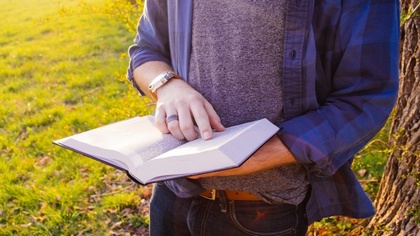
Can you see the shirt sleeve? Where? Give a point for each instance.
(356, 84)
(151, 41)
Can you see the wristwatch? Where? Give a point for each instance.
(161, 80)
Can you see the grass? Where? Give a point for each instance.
(62, 74)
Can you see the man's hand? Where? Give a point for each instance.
(179, 98)
(272, 154)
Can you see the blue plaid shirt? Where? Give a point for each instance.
(340, 82)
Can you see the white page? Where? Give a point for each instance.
(136, 138)
(225, 150)
(218, 139)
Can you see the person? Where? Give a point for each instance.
(325, 72)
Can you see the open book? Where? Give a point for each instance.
(136, 146)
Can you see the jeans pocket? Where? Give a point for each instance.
(264, 219)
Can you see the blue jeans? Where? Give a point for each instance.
(170, 215)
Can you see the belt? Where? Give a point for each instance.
(212, 194)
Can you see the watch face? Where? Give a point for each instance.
(161, 80)
(169, 75)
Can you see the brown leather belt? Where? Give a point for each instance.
(212, 194)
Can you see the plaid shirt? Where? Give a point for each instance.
(340, 82)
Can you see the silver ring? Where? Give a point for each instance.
(171, 118)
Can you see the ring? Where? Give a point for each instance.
(171, 118)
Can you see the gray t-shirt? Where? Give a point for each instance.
(236, 63)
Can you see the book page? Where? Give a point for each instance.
(227, 149)
(200, 145)
(137, 139)
(137, 146)
(248, 141)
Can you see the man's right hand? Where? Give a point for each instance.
(177, 97)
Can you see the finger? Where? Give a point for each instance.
(171, 123)
(160, 122)
(214, 118)
(186, 124)
(173, 127)
(202, 120)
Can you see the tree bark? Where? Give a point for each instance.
(398, 200)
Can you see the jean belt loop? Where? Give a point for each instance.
(222, 201)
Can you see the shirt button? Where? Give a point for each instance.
(292, 101)
(293, 54)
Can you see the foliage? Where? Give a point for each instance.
(406, 15)
(126, 11)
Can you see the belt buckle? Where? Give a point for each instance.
(213, 195)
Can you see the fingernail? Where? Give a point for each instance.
(206, 135)
(221, 125)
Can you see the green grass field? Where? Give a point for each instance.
(62, 74)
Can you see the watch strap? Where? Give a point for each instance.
(160, 80)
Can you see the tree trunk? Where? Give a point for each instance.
(398, 200)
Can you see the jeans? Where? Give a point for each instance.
(170, 215)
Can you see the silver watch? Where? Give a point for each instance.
(161, 80)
